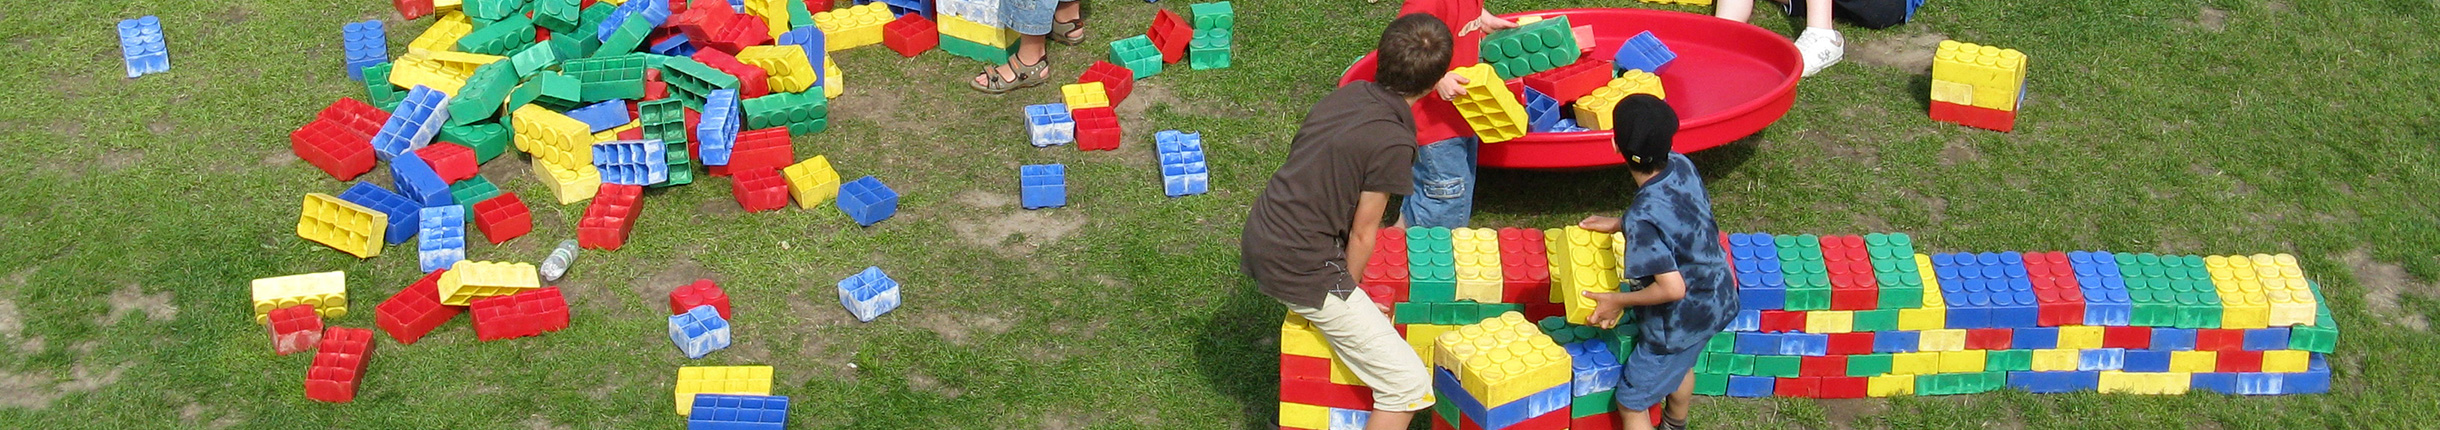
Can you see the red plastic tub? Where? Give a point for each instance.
(1730, 80)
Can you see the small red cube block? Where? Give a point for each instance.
(1170, 34)
(910, 35)
(767, 148)
(2209, 339)
(702, 292)
(1524, 266)
(759, 190)
(609, 217)
(1842, 387)
(415, 310)
(453, 162)
(503, 217)
(1855, 299)
(2240, 361)
(1990, 338)
(412, 9)
(2136, 337)
(751, 81)
(339, 365)
(1116, 81)
(1096, 129)
(294, 328)
(1857, 343)
(529, 313)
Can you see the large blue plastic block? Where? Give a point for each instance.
(2101, 359)
(632, 162)
(603, 116)
(2266, 339)
(144, 47)
(1758, 343)
(1987, 290)
(2144, 360)
(418, 117)
(699, 331)
(1750, 386)
(1645, 52)
(1747, 320)
(367, 44)
(1182, 169)
(1761, 285)
(1050, 124)
(2308, 382)
(867, 201)
(440, 239)
(1446, 387)
(810, 38)
(869, 294)
(2105, 290)
(2016, 313)
(1891, 342)
(738, 412)
(2261, 384)
(1805, 344)
(676, 45)
(1541, 112)
(418, 182)
(652, 11)
(2223, 383)
(2172, 339)
(1595, 368)
(402, 210)
(2034, 338)
(2054, 382)
(1042, 185)
(718, 127)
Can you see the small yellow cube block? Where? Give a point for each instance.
(812, 182)
(1298, 337)
(1923, 319)
(1914, 363)
(1830, 322)
(1085, 95)
(2286, 360)
(1298, 415)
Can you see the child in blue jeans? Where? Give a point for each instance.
(1674, 254)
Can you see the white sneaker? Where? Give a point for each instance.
(1821, 48)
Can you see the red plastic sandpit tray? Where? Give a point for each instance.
(1730, 80)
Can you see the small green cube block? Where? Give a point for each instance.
(488, 139)
(1723, 342)
(1868, 365)
(1137, 54)
(1210, 49)
(377, 89)
(2313, 338)
(1778, 366)
(1808, 299)
(1740, 365)
(1214, 15)
(2008, 360)
(1901, 298)
(1412, 313)
(473, 190)
(1711, 384)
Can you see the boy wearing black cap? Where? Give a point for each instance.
(1674, 254)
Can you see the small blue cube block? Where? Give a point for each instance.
(1758, 343)
(738, 412)
(1541, 112)
(144, 47)
(1182, 170)
(2054, 382)
(2172, 339)
(1050, 124)
(1042, 185)
(699, 331)
(1891, 342)
(2144, 360)
(1596, 370)
(1750, 386)
(402, 211)
(2022, 314)
(1645, 52)
(1963, 317)
(367, 45)
(2261, 384)
(632, 162)
(2101, 359)
(441, 237)
(417, 181)
(603, 116)
(2266, 339)
(419, 116)
(811, 39)
(867, 201)
(2034, 338)
(869, 294)
(1805, 344)
(718, 127)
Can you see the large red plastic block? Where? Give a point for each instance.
(339, 364)
(1170, 34)
(1857, 343)
(1096, 129)
(1783, 321)
(529, 313)
(2240, 361)
(609, 217)
(453, 162)
(751, 81)
(1853, 298)
(1292, 366)
(1971, 116)
(1990, 338)
(339, 140)
(412, 9)
(1823, 366)
(294, 328)
(2136, 337)
(654, 87)
(759, 190)
(1538, 311)
(763, 149)
(503, 217)
(701, 19)
(1842, 387)
(2210, 339)
(817, 6)
(1570, 82)
(910, 34)
(1386, 269)
(1320, 392)
(1555, 420)
(702, 292)
(1524, 266)
(415, 310)
(1116, 81)
(1806, 387)
(2060, 301)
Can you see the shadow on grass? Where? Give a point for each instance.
(1238, 353)
(1586, 192)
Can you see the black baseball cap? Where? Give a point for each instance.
(1642, 126)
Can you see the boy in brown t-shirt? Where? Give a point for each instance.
(1318, 215)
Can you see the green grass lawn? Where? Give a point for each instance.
(135, 211)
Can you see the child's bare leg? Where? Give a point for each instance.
(1680, 400)
(1817, 13)
(1635, 420)
(1733, 10)
(1385, 420)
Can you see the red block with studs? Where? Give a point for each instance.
(1972, 116)
(415, 311)
(2135, 337)
(1524, 266)
(910, 35)
(503, 217)
(1386, 270)
(1570, 82)
(702, 292)
(751, 81)
(1777, 321)
(1170, 34)
(339, 364)
(1994, 339)
(1116, 81)
(1857, 343)
(763, 149)
(1096, 129)
(411, 9)
(454, 163)
(2060, 301)
(529, 313)
(294, 328)
(339, 140)
(759, 190)
(1853, 286)
(610, 217)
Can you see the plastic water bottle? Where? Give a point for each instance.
(557, 264)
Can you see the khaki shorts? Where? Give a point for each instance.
(1364, 339)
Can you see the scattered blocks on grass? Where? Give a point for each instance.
(699, 331)
(868, 294)
(351, 228)
(632, 162)
(1170, 34)
(1977, 86)
(867, 201)
(739, 412)
(910, 35)
(441, 241)
(294, 328)
(718, 130)
(694, 380)
(502, 218)
(1048, 124)
(570, 185)
(601, 116)
(142, 45)
(412, 9)
(1644, 52)
(1211, 49)
(786, 69)
(1042, 185)
(470, 280)
(401, 212)
(366, 44)
(801, 113)
(339, 139)
(611, 217)
(417, 181)
(1085, 95)
(853, 27)
(1138, 55)
(339, 364)
(450, 161)
(1183, 171)
(415, 310)
(811, 182)
(413, 124)
(1116, 81)
(528, 313)
(759, 189)
(1096, 129)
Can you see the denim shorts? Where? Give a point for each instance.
(1649, 375)
(1028, 17)
(1444, 184)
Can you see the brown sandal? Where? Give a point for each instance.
(1060, 31)
(1028, 75)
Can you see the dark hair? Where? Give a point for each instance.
(1642, 127)
(1414, 54)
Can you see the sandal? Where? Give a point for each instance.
(1028, 75)
(1061, 30)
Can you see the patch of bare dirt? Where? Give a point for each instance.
(962, 327)
(881, 105)
(2276, 6)
(719, 208)
(1843, 413)
(1958, 151)
(1068, 420)
(2210, 19)
(161, 126)
(1935, 207)
(1843, 151)
(192, 416)
(131, 299)
(32, 391)
(2383, 284)
(655, 288)
(115, 161)
(68, 129)
(236, 14)
(279, 158)
(12, 325)
(509, 168)
(537, 422)
(1910, 53)
(1032, 229)
(922, 383)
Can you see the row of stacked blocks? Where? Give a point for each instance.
(1841, 317)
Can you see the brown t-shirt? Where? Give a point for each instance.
(1359, 138)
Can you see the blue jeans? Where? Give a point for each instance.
(1444, 184)
(1029, 17)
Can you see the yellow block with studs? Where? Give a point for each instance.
(1593, 110)
(326, 291)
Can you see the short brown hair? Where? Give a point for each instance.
(1413, 55)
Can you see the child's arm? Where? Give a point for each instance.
(1488, 23)
(1665, 288)
(1362, 233)
(1600, 224)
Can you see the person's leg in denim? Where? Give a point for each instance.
(1444, 184)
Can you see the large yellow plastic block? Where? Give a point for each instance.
(1298, 415)
(2167, 383)
(774, 14)
(1085, 95)
(2243, 288)
(852, 27)
(1965, 361)
(2283, 283)
(2079, 337)
(812, 182)
(1931, 286)
(440, 70)
(953, 26)
(1889, 385)
(2056, 360)
(326, 291)
(1920, 319)
(1422, 336)
(1593, 110)
(1477, 251)
(1994, 75)
(349, 227)
(1298, 337)
(1829, 322)
(1554, 247)
(786, 67)
(469, 280)
(444, 33)
(833, 83)
(1952, 92)
(553, 138)
(692, 380)
(1590, 263)
(1488, 106)
(1942, 340)
(1503, 359)
(447, 5)
(2198, 361)
(569, 185)
(612, 133)
(1914, 363)
(2286, 360)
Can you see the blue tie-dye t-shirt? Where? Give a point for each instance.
(1669, 228)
